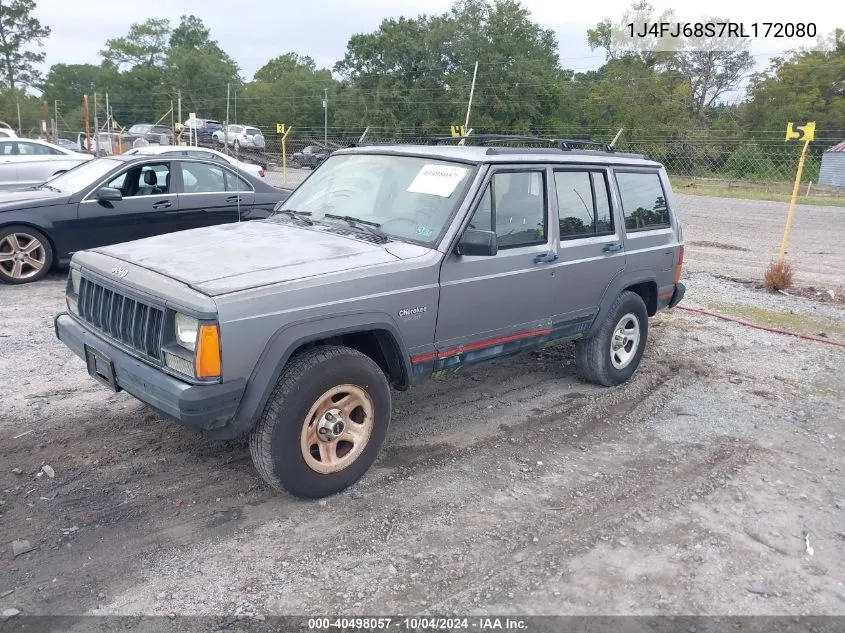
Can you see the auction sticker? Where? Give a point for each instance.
(437, 180)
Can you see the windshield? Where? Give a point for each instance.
(84, 174)
(409, 198)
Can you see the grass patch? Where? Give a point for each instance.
(798, 323)
(749, 191)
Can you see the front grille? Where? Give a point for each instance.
(133, 323)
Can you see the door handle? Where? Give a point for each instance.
(545, 258)
(612, 248)
(233, 199)
(162, 204)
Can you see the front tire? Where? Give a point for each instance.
(324, 424)
(26, 255)
(611, 356)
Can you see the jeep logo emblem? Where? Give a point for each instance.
(119, 271)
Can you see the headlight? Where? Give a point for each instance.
(75, 278)
(186, 331)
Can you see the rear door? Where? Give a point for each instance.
(591, 250)
(650, 242)
(149, 207)
(212, 194)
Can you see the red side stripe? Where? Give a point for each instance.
(480, 344)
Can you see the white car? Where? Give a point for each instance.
(26, 162)
(199, 152)
(240, 136)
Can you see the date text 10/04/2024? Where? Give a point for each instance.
(415, 623)
(721, 29)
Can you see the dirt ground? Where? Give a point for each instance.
(712, 483)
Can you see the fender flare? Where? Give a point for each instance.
(613, 290)
(282, 344)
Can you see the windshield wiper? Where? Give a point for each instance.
(362, 225)
(296, 215)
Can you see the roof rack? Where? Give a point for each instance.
(563, 144)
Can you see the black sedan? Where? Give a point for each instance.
(118, 199)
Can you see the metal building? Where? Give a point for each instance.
(832, 170)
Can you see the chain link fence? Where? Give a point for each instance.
(696, 163)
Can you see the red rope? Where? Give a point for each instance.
(808, 337)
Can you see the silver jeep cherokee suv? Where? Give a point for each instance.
(387, 264)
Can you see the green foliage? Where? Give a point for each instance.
(18, 31)
(806, 86)
(287, 89)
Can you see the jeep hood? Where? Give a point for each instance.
(226, 258)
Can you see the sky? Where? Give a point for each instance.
(254, 32)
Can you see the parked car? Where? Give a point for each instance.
(238, 136)
(66, 144)
(200, 152)
(27, 162)
(312, 156)
(146, 133)
(387, 266)
(118, 199)
(7, 132)
(202, 129)
(101, 143)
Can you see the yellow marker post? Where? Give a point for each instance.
(800, 132)
(284, 131)
(458, 131)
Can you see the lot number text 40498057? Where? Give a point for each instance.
(720, 29)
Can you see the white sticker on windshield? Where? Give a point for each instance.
(437, 180)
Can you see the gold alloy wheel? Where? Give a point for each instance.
(21, 255)
(337, 429)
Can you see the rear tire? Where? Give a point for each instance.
(26, 255)
(611, 356)
(297, 446)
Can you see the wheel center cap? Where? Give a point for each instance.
(331, 426)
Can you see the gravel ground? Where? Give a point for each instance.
(512, 488)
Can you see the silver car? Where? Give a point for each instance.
(27, 162)
(238, 136)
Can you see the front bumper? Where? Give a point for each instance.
(200, 406)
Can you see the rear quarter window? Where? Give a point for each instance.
(644, 202)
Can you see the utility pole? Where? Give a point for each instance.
(325, 116)
(87, 124)
(226, 130)
(20, 127)
(471, 93)
(46, 113)
(56, 115)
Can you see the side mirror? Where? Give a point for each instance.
(475, 242)
(108, 194)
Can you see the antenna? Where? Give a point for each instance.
(616, 138)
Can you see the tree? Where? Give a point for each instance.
(287, 89)
(67, 83)
(805, 85)
(146, 44)
(418, 72)
(714, 67)
(18, 30)
(200, 68)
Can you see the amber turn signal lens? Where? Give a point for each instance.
(208, 352)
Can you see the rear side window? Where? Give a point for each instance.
(643, 200)
(583, 204)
